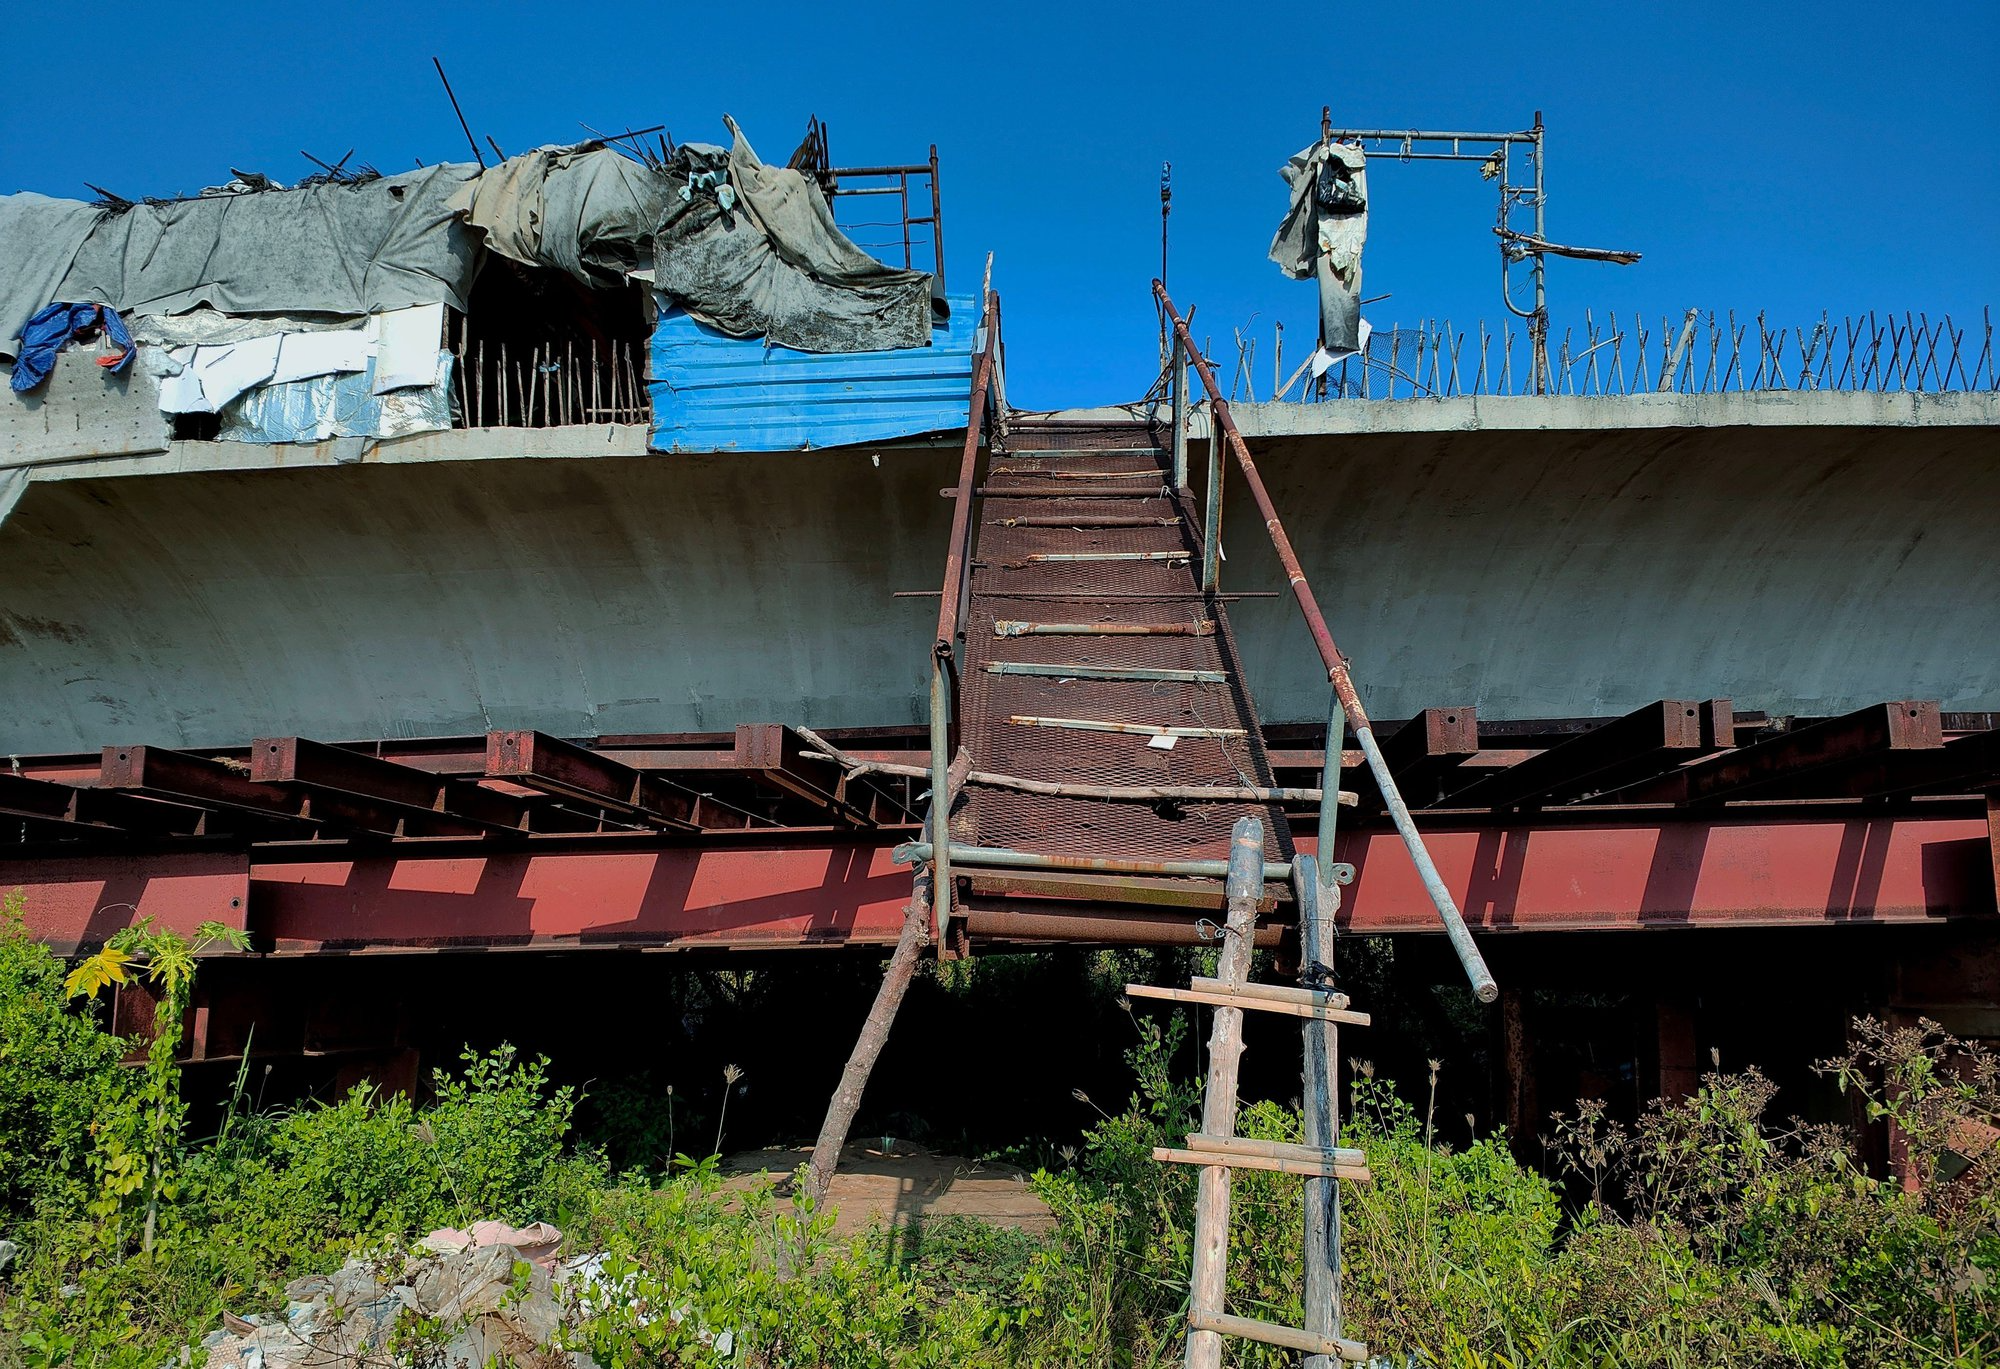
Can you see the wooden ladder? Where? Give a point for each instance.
(1217, 1148)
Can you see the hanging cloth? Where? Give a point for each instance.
(49, 330)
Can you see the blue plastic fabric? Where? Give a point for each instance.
(51, 328)
(715, 393)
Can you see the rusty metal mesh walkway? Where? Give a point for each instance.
(1089, 646)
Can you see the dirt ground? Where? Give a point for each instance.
(898, 1184)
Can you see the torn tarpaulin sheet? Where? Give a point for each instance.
(338, 406)
(776, 265)
(39, 237)
(1322, 234)
(585, 210)
(51, 329)
(202, 379)
(348, 249)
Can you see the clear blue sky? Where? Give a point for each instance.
(1789, 158)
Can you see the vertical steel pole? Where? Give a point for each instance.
(941, 882)
(1319, 905)
(1211, 535)
(937, 220)
(1179, 382)
(1541, 264)
(1329, 811)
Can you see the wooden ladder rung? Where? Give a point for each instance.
(1275, 1164)
(1346, 1156)
(1246, 1001)
(1270, 1333)
(1277, 993)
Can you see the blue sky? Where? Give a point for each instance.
(1785, 158)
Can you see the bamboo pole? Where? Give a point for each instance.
(1210, 1274)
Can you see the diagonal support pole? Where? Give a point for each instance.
(916, 934)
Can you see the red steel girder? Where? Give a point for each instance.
(1630, 873)
(679, 896)
(77, 902)
(1624, 872)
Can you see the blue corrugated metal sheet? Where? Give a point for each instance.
(713, 393)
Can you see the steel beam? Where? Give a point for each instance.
(199, 781)
(774, 756)
(567, 770)
(1776, 767)
(431, 802)
(1421, 751)
(1963, 765)
(73, 810)
(1637, 746)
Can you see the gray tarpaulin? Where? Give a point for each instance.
(39, 238)
(1321, 237)
(584, 209)
(331, 249)
(776, 265)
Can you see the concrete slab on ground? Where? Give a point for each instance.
(897, 1184)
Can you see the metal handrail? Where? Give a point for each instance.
(951, 609)
(1346, 702)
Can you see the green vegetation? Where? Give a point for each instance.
(1706, 1234)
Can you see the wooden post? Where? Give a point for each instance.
(1218, 1110)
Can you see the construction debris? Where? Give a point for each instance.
(489, 1294)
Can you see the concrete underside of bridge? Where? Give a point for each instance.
(1801, 553)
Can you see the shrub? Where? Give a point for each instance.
(310, 1183)
(57, 1070)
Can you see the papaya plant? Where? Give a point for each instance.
(138, 1142)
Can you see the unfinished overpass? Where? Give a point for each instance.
(1649, 663)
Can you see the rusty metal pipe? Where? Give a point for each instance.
(1015, 627)
(1222, 425)
(949, 607)
(958, 550)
